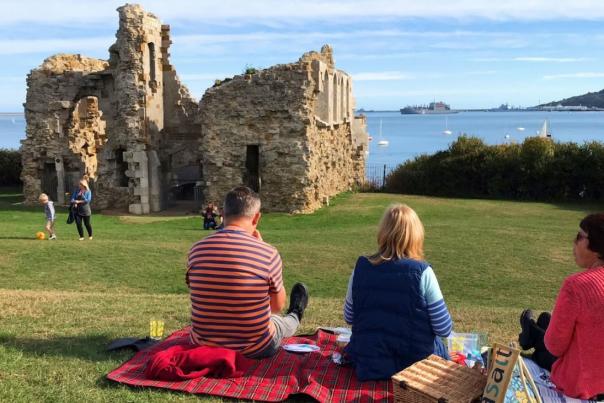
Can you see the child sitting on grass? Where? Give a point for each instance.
(49, 210)
(209, 217)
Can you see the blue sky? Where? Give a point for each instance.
(468, 53)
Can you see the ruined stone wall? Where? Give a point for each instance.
(86, 133)
(303, 158)
(336, 148)
(264, 109)
(360, 140)
(332, 169)
(54, 89)
(107, 119)
(135, 130)
(135, 61)
(180, 156)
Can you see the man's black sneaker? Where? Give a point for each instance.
(525, 337)
(298, 300)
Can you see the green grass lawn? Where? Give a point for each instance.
(62, 301)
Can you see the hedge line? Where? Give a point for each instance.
(10, 167)
(537, 169)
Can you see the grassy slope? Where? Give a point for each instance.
(61, 302)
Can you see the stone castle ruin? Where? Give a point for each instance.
(288, 131)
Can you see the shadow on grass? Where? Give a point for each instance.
(91, 347)
(585, 207)
(19, 237)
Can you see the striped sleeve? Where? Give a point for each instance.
(275, 275)
(348, 312)
(440, 319)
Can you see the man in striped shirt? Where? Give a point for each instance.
(236, 285)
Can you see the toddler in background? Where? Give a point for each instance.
(49, 210)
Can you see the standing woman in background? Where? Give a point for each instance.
(80, 203)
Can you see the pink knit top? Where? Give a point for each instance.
(576, 335)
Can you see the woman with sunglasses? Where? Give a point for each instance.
(570, 341)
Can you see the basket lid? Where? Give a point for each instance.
(441, 380)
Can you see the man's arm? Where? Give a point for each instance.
(276, 290)
(278, 300)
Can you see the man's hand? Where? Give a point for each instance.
(278, 301)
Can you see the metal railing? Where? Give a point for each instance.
(375, 174)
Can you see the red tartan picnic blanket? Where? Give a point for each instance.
(271, 379)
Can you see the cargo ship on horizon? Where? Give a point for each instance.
(434, 108)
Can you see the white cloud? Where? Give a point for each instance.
(552, 59)
(209, 44)
(533, 59)
(589, 74)
(50, 46)
(429, 93)
(84, 11)
(382, 76)
(264, 36)
(205, 76)
(481, 72)
(401, 76)
(261, 36)
(487, 59)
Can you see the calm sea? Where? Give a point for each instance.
(12, 130)
(412, 135)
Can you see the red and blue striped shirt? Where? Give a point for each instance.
(230, 275)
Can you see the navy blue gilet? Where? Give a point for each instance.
(391, 328)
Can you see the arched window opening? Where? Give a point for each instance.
(252, 167)
(121, 166)
(334, 94)
(152, 73)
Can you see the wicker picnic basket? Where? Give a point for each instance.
(434, 380)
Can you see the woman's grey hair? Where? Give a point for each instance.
(241, 201)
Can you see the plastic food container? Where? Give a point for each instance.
(463, 342)
(343, 339)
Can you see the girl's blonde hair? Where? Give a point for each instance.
(84, 183)
(400, 234)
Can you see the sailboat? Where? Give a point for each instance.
(447, 131)
(545, 131)
(382, 142)
(520, 129)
